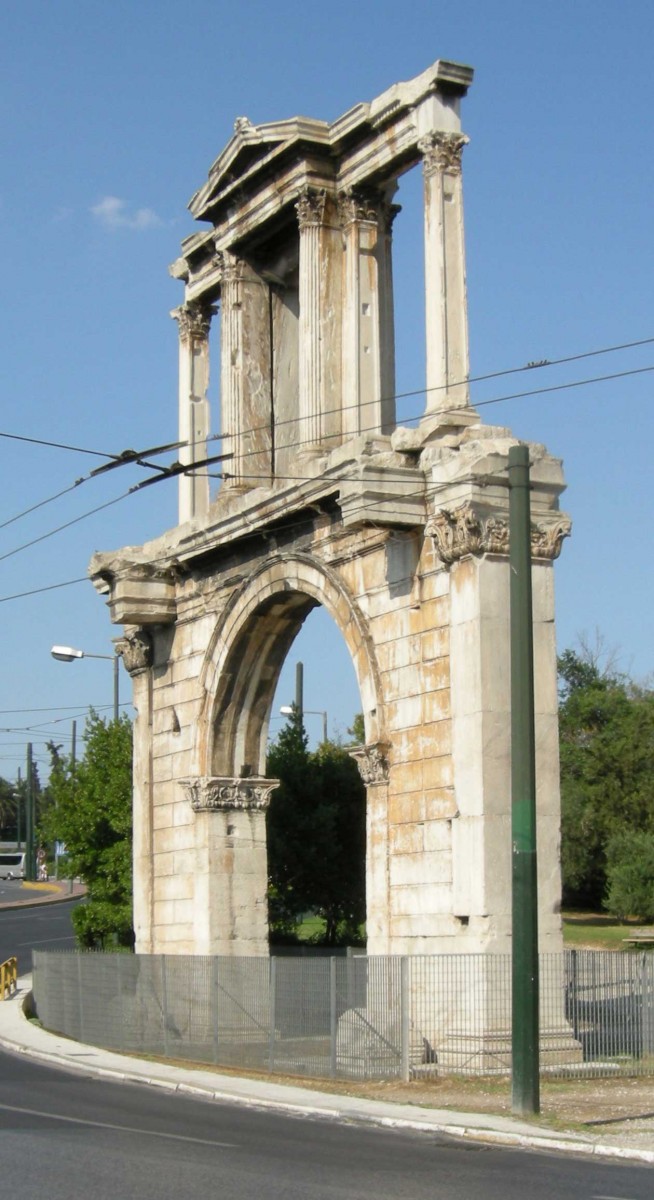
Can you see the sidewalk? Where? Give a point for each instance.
(23, 1036)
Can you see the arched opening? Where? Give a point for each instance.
(317, 818)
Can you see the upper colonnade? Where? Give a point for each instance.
(297, 263)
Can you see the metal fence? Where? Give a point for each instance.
(358, 1016)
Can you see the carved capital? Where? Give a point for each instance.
(233, 268)
(456, 532)
(310, 206)
(547, 539)
(225, 794)
(442, 152)
(465, 530)
(372, 762)
(194, 320)
(359, 204)
(135, 649)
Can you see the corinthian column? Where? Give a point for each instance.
(231, 366)
(319, 329)
(245, 375)
(368, 333)
(445, 279)
(194, 321)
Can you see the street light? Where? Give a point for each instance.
(69, 654)
(287, 710)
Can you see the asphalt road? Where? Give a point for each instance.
(44, 927)
(67, 1135)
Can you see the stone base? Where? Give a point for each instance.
(490, 1053)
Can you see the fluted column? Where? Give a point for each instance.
(319, 330)
(368, 333)
(231, 366)
(245, 375)
(310, 210)
(445, 279)
(194, 322)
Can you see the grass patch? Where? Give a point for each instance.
(596, 931)
(311, 929)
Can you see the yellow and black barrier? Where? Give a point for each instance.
(8, 977)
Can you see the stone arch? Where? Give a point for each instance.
(247, 652)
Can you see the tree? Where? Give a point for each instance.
(316, 837)
(8, 809)
(606, 726)
(91, 813)
(630, 873)
(357, 730)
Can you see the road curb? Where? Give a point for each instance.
(464, 1132)
(52, 898)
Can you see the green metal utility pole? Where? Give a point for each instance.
(30, 855)
(299, 691)
(19, 810)
(525, 1097)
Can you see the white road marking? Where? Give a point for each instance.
(172, 1137)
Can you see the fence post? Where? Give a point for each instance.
(405, 1021)
(214, 1007)
(164, 1003)
(121, 1015)
(647, 1003)
(333, 1023)
(80, 999)
(273, 1000)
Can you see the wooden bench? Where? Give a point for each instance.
(642, 937)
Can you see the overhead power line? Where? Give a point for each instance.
(131, 457)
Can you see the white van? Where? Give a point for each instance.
(12, 864)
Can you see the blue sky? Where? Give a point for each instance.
(111, 117)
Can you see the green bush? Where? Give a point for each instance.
(630, 875)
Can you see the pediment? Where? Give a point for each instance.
(251, 147)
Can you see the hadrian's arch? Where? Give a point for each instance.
(401, 532)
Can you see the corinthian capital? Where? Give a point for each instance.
(234, 269)
(442, 152)
(194, 319)
(372, 762)
(310, 206)
(225, 794)
(135, 649)
(465, 530)
(359, 204)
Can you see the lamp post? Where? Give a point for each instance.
(69, 654)
(287, 710)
